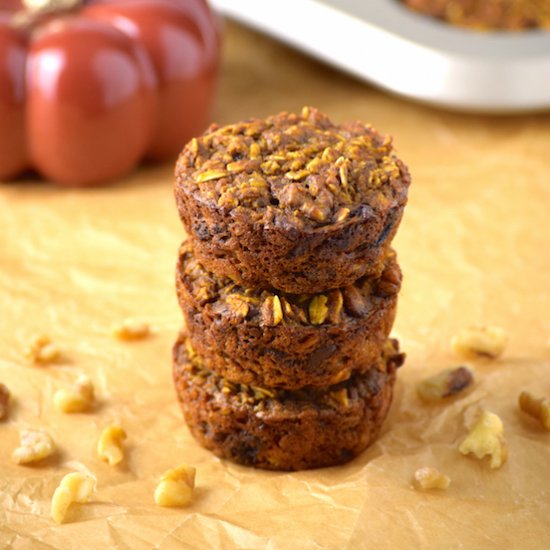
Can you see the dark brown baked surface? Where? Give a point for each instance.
(293, 202)
(280, 429)
(487, 14)
(286, 340)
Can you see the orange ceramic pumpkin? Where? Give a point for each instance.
(88, 89)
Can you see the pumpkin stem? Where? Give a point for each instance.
(35, 10)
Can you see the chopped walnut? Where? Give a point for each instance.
(272, 311)
(447, 383)
(42, 350)
(130, 329)
(79, 398)
(537, 408)
(176, 486)
(355, 302)
(109, 446)
(35, 445)
(4, 401)
(237, 305)
(485, 341)
(389, 283)
(429, 477)
(335, 305)
(486, 438)
(74, 487)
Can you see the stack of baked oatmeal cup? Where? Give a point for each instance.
(288, 286)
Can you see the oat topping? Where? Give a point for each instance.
(302, 164)
(271, 309)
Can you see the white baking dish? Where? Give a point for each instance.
(388, 45)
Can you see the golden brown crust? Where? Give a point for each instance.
(284, 430)
(284, 340)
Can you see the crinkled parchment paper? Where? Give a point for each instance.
(474, 249)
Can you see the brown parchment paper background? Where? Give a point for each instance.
(474, 249)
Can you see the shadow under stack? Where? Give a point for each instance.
(288, 285)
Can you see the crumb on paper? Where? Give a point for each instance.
(109, 446)
(4, 401)
(486, 438)
(35, 445)
(428, 477)
(447, 383)
(130, 330)
(487, 342)
(74, 487)
(176, 486)
(41, 350)
(538, 408)
(78, 398)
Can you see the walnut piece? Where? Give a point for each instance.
(354, 302)
(485, 341)
(335, 305)
(176, 486)
(486, 438)
(109, 446)
(4, 401)
(41, 350)
(272, 311)
(130, 330)
(537, 408)
(79, 398)
(74, 487)
(429, 477)
(35, 445)
(237, 305)
(447, 383)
